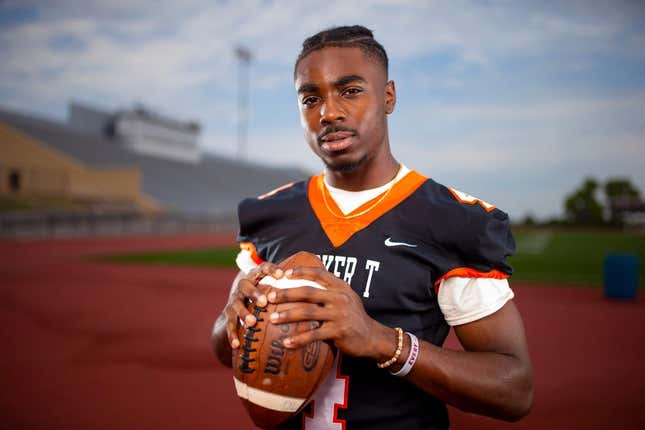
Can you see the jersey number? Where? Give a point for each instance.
(331, 396)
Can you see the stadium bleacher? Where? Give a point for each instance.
(213, 185)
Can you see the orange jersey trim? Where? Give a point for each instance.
(340, 228)
(248, 246)
(470, 200)
(467, 272)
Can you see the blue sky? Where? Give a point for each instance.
(515, 102)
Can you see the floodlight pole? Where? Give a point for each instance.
(244, 60)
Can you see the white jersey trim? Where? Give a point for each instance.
(464, 300)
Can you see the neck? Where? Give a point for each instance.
(371, 173)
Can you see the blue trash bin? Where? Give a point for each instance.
(621, 276)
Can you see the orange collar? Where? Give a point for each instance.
(340, 228)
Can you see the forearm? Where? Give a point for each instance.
(219, 342)
(490, 383)
(219, 337)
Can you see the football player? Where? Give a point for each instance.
(406, 258)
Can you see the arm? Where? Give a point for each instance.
(493, 376)
(222, 346)
(224, 335)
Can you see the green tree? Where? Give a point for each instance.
(582, 206)
(620, 187)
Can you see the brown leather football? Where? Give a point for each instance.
(273, 382)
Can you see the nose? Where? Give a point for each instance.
(331, 111)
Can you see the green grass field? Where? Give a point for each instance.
(219, 257)
(573, 257)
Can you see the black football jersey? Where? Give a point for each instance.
(393, 251)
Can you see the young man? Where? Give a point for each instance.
(402, 252)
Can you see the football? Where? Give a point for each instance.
(273, 382)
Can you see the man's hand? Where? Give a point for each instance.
(493, 376)
(244, 289)
(339, 309)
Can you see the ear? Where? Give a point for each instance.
(390, 97)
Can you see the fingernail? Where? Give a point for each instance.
(274, 317)
(288, 341)
(272, 296)
(288, 272)
(261, 301)
(249, 319)
(235, 344)
(278, 273)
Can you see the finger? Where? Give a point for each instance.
(231, 331)
(270, 269)
(299, 294)
(302, 312)
(307, 337)
(243, 313)
(248, 290)
(254, 275)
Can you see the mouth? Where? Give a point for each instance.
(336, 141)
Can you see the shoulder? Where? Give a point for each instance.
(451, 209)
(284, 194)
(277, 207)
(437, 195)
(463, 224)
(265, 219)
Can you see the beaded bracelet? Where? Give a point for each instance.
(397, 353)
(412, 357)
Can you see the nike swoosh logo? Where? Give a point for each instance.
(388, 242)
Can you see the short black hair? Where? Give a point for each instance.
(354, 36)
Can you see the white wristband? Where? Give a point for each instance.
(412, 357)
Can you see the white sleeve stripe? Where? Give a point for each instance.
(463, 300)
(244, 261)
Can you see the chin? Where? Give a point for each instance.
(345, 166)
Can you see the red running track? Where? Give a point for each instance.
(103, 346)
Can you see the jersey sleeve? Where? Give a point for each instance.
(463, 300)
(264, 222)
(472, 277)
(250, 233)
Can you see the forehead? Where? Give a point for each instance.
(328, 64)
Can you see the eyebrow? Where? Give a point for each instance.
(344, 80)
(307, 88)
(340, 82)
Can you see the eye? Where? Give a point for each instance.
(310, 100)
(352, 91)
